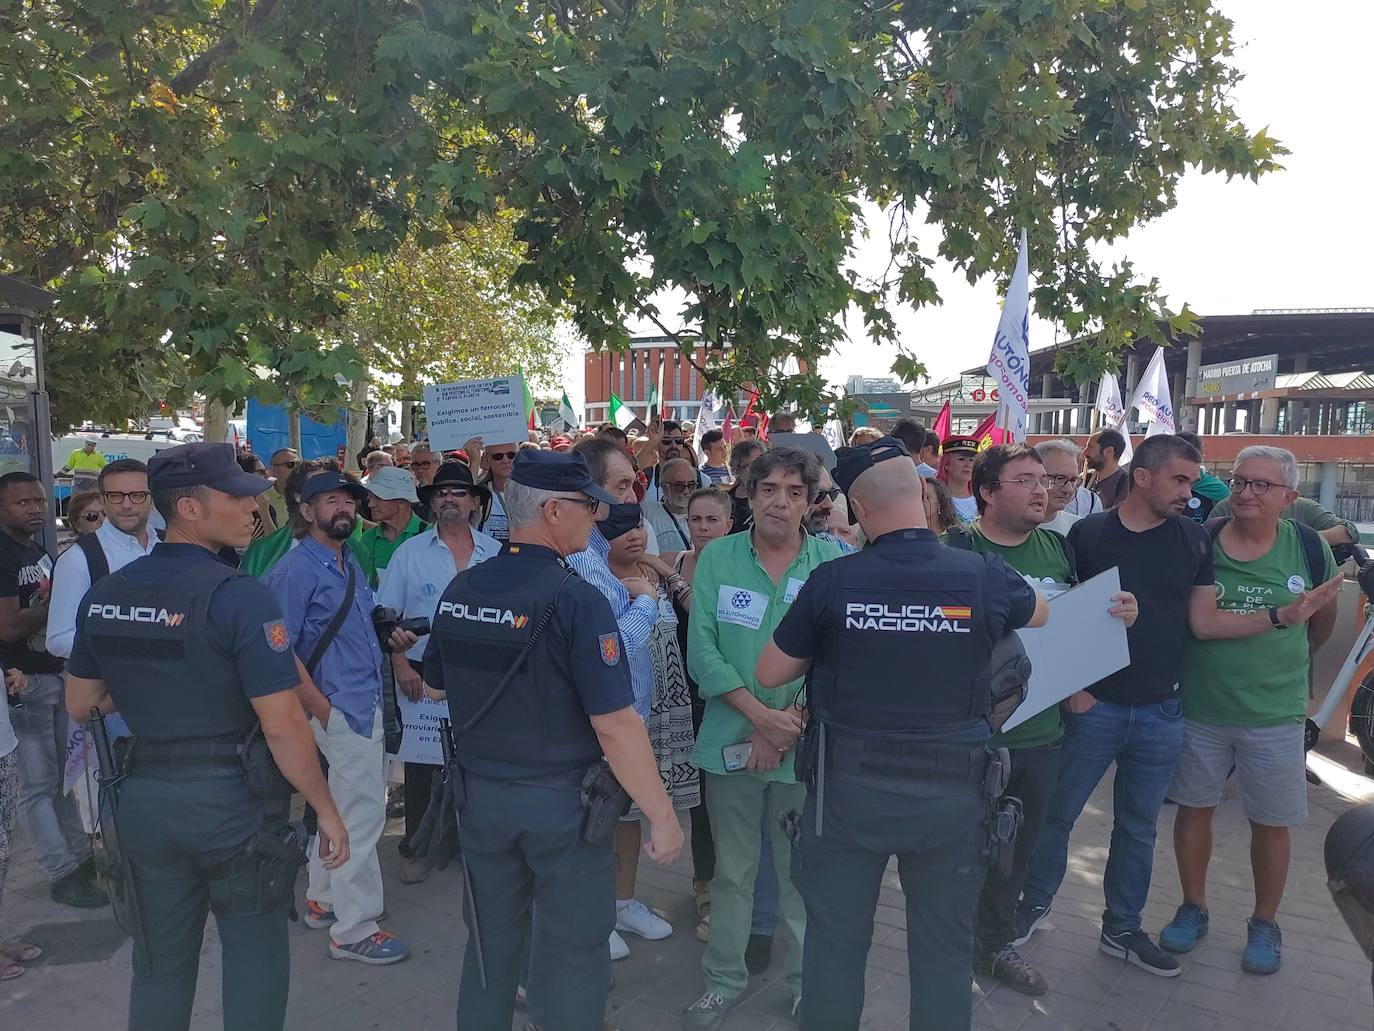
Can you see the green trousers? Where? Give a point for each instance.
(737, 803)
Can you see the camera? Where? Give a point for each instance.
(387, 620)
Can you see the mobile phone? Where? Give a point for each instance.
(736, 756)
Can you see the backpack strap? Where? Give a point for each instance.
(1308, 538)
(1069, 557)
(96, 561)
(959, 537)
(1088, 530)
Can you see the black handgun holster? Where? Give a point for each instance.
(606, 803)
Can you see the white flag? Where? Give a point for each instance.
(1009, 363)
(706, 419)
(833, 432)
(1151, 397)
(1109, 401)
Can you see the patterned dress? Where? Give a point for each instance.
(670, 716)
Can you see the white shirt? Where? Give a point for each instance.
(71, 579)
(1061, 522)
(496, 524)
(967, 508)
(420, 571)
(667, 529)
(1085, 502)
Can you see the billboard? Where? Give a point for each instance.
(1238, 377)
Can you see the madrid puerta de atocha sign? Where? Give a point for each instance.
(1244, 376)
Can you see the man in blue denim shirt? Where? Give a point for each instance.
(344, 701)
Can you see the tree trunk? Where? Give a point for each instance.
(293, 427)
(216, 426)
(357, 421)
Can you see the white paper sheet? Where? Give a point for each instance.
(493, 409)
(1079, 646)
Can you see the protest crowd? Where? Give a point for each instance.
(701, 613)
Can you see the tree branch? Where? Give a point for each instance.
(201, 68)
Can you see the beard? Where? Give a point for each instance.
(816, 522)
(451, 516)
(341, 527)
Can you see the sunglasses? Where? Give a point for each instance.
(501, 456)
(118, 497)
(452, 492)
(679, 485)
(832, 493)
(674, 440)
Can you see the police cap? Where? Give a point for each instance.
(203, 465)
(323, 483)
(853, 462)
(557, 470)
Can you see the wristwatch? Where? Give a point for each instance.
(1274, 618)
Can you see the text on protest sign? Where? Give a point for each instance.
(493, 409)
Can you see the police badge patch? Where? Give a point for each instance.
(610, 649)
(277, 638)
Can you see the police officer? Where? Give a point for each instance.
(897, 639)
(538, 690)
(195, 656)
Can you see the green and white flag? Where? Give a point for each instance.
(656, 396)
(620, 413)
(567, 414)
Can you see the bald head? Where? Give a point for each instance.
(887, 497)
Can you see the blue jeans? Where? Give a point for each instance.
(1143, 741)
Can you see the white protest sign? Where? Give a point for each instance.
(493, 409)
(420, 739)
(1079, 646)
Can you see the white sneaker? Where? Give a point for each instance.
(619, 950)
(636, 918)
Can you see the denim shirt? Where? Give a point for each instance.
(311, 587)
(634, 616)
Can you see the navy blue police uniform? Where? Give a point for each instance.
(524, 751)
(183, 644)
(899, 636)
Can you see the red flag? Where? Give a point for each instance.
(729, 423)
(989, 433)
(941, 425)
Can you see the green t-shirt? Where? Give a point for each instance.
(1042, 562)
(1258, 681)
(375, 548)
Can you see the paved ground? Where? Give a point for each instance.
(1324, 983)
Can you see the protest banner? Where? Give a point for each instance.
(493, 409)
(420, 739)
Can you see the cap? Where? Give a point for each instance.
(203, 465)
(392, 484)
(453, 474)
(960, 442)
(853, 462)
(323, 483)
(561, 443)
(557, 470)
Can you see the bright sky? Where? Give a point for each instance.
(1297, 239)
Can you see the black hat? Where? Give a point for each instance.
(960, 442)
(557, 470)
(323, 483)
(203, 465)
(853, 462)
(452, 474)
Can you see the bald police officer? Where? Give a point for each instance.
(531, 718)
(194, 655)
(897, 639)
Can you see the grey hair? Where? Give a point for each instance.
(1287, 462)
(1065, 447)
(523, 504)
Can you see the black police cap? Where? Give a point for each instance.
(853, 462)
(557, 470)
(203, 465)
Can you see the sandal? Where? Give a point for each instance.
(703, 899)
(20, 952)
(10, 971)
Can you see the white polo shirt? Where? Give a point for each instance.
(420, 571)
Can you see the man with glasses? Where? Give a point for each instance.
(123, 537)
(47, 813)
(1134, 718)
(818, 515)
(422, 462)
(283, 461)
(418, 572)
(1060, 459)
(1013, 488)
(671, 443)
(1245, 701)
(668, 517)
(496, 462)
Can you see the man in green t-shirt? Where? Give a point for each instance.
(1012, 491)
(1245, 703)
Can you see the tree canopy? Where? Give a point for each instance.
(196, 177)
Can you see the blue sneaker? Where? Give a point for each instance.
(1026, 920)
(1188, 925)
(1263, 942)
(378, 950)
